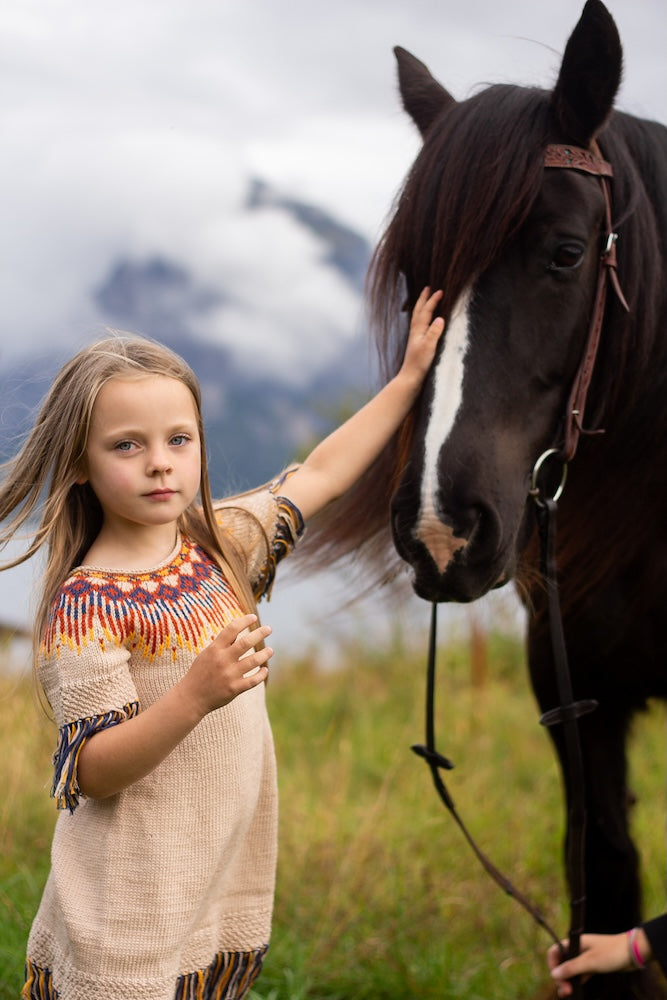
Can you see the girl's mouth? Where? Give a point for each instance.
(160, 495)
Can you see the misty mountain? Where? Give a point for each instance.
(347, 251)
(256, 420)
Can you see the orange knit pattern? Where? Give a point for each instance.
(153, 614)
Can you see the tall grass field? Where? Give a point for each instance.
(379, 896)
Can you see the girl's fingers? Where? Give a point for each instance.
(236, 647)
(256, 666)
(236, 627)
(247, 640)
(238, 632)
(426, 295)
(422, 316)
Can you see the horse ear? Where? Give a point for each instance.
(423, 97)
(589, 76)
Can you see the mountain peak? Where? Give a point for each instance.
(345, 249)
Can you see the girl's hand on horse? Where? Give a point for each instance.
(425, 332)
(229, 666)
(338, 461)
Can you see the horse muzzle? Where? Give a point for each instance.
(449, 563)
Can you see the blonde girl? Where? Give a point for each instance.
(150, 653)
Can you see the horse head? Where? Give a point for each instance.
(515, 246)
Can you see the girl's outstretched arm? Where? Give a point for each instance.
(338, 461)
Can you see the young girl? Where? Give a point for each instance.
(153, 661)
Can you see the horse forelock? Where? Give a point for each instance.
(469, 191)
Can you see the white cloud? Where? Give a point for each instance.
(289, 310)
(132, 128)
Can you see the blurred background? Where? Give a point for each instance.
(215, 174)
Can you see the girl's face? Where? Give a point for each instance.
(143, 457)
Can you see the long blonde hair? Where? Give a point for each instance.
(42, 476)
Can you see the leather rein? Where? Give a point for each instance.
(568, 711)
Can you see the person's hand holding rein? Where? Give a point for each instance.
(600, 953)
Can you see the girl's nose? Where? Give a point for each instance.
(158, 463)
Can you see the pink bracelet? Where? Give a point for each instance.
(635, 954)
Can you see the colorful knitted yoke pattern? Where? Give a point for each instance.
(154, 613)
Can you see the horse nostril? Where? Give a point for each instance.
(402, 532)
(468, 522)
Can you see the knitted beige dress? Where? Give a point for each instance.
(164, 890)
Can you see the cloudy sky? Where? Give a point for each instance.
(132, 128)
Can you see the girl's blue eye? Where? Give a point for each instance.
(179, 439)
(124, 445)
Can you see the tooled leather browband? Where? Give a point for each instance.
(577, 159)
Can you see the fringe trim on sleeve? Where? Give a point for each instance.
(275, 484)
(38, 983)
(229, 977)
(72, 737)
(289, 530)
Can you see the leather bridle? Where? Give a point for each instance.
(589, 162)
(568, 711)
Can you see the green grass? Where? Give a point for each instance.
(379, 897)
(27, 741)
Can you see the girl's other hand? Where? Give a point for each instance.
(230, 665)
(117, 756)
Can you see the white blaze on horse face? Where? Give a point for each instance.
(438, 538)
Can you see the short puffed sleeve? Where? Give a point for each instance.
(265, 526)
(83, 669)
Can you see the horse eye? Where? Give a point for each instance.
(566, 257)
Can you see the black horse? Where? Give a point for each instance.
(504, 209)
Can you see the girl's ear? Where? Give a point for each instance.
(81, 474)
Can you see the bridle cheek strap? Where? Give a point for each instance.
(589, 162)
